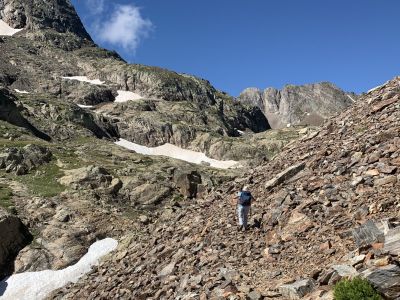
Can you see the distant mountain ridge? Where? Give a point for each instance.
(306, 104)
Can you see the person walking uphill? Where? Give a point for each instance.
(243, 207)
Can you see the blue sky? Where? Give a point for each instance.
(258, 43)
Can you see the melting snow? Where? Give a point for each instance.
(21, 92)
(379, 86)
(178, 153)
(124, 96)
(5, 29)
(375, 88)
(37, 285)
(85, 106)
(84, 79)
(351, 98)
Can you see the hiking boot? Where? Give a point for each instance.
(239, 227)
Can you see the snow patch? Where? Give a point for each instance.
(240, 131)
(374, 89)
(351, 98)
(21, 92)
(178, 153)
(124, 96)
(378, 87)
(5, 29)
(85, 106)
(37, 285)
(84, 79)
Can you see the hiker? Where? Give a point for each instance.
(243, 207)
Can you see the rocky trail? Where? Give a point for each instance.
(313, 198)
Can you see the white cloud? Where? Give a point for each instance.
(124, 28)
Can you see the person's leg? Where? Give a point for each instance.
(240, 214)
(246, 210)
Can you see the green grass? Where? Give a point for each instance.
(5, 196)
(44, 182)
(4, 143)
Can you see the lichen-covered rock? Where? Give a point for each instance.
(22, 160)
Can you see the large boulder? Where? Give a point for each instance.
(189, 183)
(13, 237)
(92, 178)
(386, 280)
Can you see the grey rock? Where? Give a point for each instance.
(367, 234)
(345, 271)
(254, 295)
(386, 280)
(298, 289)
(63, 216)
(284, 175)
(392, 241)
(168, 270)
(340, 272)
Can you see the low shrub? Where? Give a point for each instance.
(355, 289)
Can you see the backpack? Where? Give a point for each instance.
(245, 198)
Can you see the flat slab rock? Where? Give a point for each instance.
(298, 289)
(284, 175)
(386, 280)
(392, 241)
(367, 234)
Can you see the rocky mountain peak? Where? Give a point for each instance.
(56, 16)
(303, 104)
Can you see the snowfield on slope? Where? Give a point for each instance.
(351, 98)
(84, 79)
(37, 285)
(85, 106)
(178, 153)
(20, 92)
(124, 96)
(5, 29)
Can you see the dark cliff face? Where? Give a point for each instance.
(307, 104)
(45, 19)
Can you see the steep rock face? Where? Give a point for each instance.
(38, 15)
(10, 113)
(307, 104)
